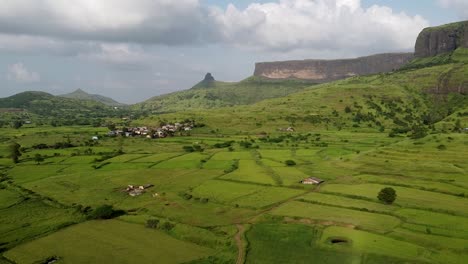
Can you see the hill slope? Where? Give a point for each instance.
(82, 95)
(213, 94)
(400, 102)
(49, 106)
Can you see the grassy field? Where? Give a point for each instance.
(108, 242)
(206, 193)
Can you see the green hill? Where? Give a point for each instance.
(210, 93)
(47, 107)
(400, 102)
(82, 95)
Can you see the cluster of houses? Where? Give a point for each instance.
(153, 132)
(136, 190)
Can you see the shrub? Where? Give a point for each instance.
(387, 195)
(441, 147)
(290, 163)
(166, 226)
(105, 212)
(152, 223)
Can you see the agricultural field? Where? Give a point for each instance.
(205, 200)
(111, 241)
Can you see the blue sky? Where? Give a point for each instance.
(135, 49)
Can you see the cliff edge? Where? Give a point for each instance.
(433, 41)
(321, 71)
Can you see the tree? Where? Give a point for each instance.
(387, 195)
(17, 124)
(15, 152)
(38, 158)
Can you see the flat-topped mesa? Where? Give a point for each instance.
(321, 71)
(442, 39)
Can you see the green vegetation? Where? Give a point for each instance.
(222, 94)
(233, 184)
(387, 195)
(109, 241)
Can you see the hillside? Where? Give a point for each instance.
(210, 93)
(82, 95)
(402, 102)
(62, 110)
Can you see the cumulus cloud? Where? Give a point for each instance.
(19, 73)
(460, 6)
(318, 24)
(143, 21)
(285, 25)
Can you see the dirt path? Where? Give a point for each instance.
(240, 246)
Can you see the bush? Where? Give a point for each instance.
(105, 212)
(387, 195)
(152, 223)
(166, 226)
(290, 163)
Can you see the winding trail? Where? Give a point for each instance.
(240, 246)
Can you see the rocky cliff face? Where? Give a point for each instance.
(438, 40)
(320, 71)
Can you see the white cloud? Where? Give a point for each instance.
(318, 25)
(142, 21)
(460, 7)
(285, 25)
(19, 73)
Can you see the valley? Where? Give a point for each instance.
(258, 171)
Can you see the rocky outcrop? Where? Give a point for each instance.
(209, 78)
(321, 71)
(438, 40)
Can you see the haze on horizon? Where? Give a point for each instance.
(132, 50)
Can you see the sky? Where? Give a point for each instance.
(131, 50)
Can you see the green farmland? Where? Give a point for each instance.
(201, 199)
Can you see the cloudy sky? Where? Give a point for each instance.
(134, 49)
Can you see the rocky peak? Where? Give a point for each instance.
(209, 78)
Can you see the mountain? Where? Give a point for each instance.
(48, 106)
(208, 82)
(322, 71)
(82, 95)
(210, 93)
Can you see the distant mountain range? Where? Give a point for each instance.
(82, 95)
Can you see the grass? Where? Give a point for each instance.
(336, 216)
(250, 171)
(244, 195)
(108, 241)
(405, 197)
(365, 242)
(345, 202)
(279, 243)
(28, 218)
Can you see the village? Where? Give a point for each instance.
(153, 132)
